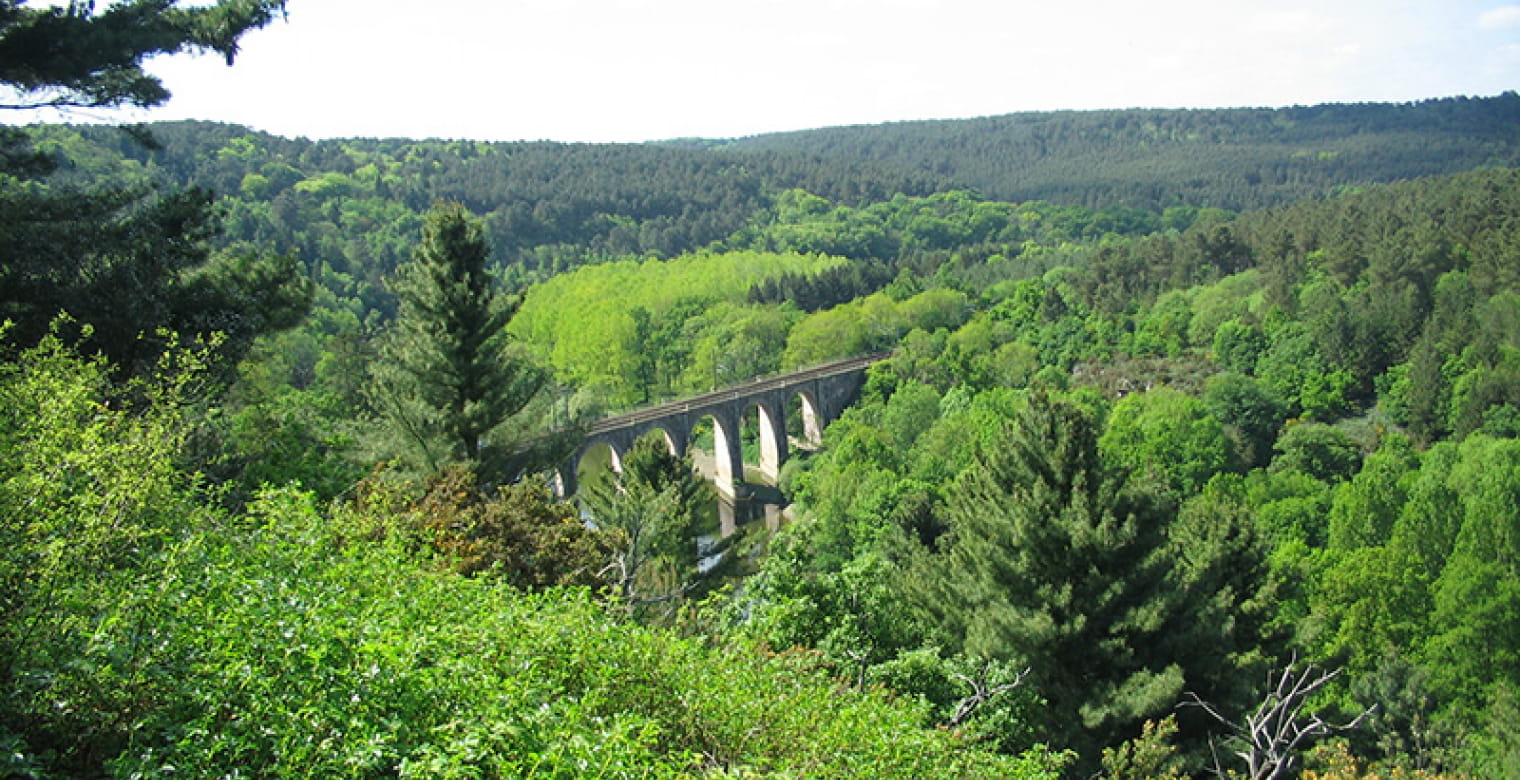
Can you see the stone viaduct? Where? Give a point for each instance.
(824, 392)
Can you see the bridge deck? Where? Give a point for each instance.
(733, 392)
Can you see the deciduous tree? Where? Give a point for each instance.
(654, 511)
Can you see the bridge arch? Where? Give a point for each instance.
(591, 459)
(770, 416)
(727, 452)
(807, 429)
(821, 392)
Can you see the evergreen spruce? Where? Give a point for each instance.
(1056, 563)
(447, 381)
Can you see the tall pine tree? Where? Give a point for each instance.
(1058, 562)
(447, 381)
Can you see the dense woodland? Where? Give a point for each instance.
(1226, 158)
(1182, 462)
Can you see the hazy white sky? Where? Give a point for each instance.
(635, 70)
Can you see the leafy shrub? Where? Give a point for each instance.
(148, 634)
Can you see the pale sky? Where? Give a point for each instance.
(637, 70)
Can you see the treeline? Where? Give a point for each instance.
(548, 206)
(1235, 159)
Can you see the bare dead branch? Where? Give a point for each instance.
(1272, 737)
(981, 693)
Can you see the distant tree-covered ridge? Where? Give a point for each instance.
(549, 206)
(1150, 158)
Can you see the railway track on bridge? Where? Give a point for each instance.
(733, 392)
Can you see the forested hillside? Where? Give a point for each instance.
(548, 206)
(1227, 158)
(1152, 477)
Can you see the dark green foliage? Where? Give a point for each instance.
(133, 264)
(517, 534)
(1251, 414)
(1238, 346)
(1321, 451)
(547, 207)
(653, 513)
(112, 253)
(1155, 159)
(825, 289)
(447, 381)
(1056, 562)
(72, 56)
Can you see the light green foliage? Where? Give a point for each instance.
(1295, 370)
(88, 493)
(1150, 756)
(90, 498)
(1163, 329)
(1496, 754)
(1477, 595)
(146, 634)
(1168, 435)
(1435, 585)
(807, 224)
(870, 324)
(288, 417)
(1235, 298)
(856, 618)
(582, 323)
(1367, 506)
(364, 666)
(830, 334)
(727, 344)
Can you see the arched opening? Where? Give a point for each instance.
(804, 427)
(675, 442)
(599, 465)
(764, 444)
(715, 452)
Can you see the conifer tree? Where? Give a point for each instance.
(654, 511)
(1054, 562)
(447, 381)
(126, 260)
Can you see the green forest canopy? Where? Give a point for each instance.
(1280, 433)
